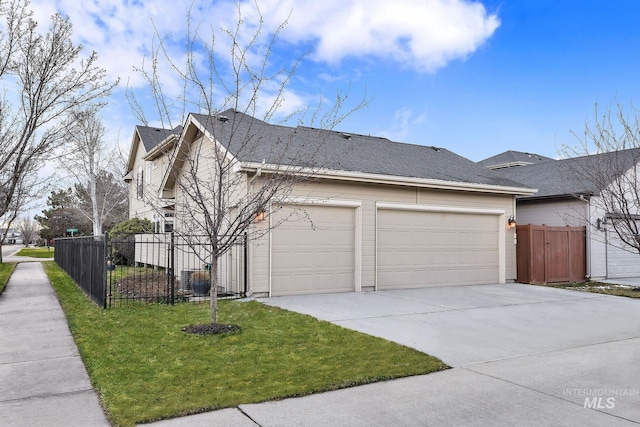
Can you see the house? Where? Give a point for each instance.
(509, 159)
(147, 164)
(374, 214)
(13, 237)
(576, 192)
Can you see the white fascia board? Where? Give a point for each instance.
(158, 150)
(135, 141)
(391, 180)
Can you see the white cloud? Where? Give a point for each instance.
(420, 34)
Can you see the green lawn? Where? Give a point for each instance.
(599, 288)
(5, 272)
(41, 252)
(145, 368)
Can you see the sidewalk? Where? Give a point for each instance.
(42, 378)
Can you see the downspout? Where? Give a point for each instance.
(249, 271)
(253, 178)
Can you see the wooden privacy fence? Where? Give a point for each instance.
(547, 254)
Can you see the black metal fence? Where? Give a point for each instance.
(83, 259)
(155, 268)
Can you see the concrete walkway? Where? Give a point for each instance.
(42, 379)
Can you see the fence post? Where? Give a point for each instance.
(105, 260)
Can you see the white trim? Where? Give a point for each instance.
(293, 200)
(502, 261)
(357, 223)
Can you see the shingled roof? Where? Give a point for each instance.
(339, 151)
(152, 136)
(571, 177)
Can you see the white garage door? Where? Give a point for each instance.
(621, 263)
(313, 251)
(418, 248)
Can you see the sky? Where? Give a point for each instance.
(475, 77)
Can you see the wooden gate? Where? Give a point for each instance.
(548, 254)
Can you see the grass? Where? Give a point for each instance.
(41, 252)
(5, 272)
(145, 368)
(599, 288)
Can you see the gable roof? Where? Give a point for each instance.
(513, 158)
(253, 141)
(150, 137)
(570, 177)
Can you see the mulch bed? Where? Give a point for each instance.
(151, 286)
(211, 329)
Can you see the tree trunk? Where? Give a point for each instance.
(97, 222)
(214, 289)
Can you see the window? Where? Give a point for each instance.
(148, 172)
(168, 222)
(155, 164)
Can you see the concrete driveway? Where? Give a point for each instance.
(465, 325)
(523, 354)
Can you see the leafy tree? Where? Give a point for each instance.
(62, 214)
(123, 240)
(132, 226)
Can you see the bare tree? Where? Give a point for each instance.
(93, 164)
(606, 164)
(43, 80)
(223, 175)
(28, 228)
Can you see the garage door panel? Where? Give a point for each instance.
(621, 262)
(417, 248)
(314, 251)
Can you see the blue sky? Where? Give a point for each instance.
(477, 78)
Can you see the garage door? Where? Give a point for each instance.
(313, 251)
(418, 248)
(621, 263)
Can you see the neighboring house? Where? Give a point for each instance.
(511, 158)
(385, 215)
(569, 195)
(14, 237)
(147, 165)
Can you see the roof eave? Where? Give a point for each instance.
(371, 178)
(162, 148)
(573, 196)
